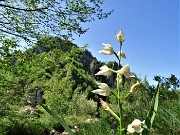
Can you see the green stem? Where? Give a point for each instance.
(120, 112)
(60, 119)
(119, 100)
(121, 120)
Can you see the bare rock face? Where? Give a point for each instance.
(40, 49)
(89, 62)
(92, 65)
(111, 79)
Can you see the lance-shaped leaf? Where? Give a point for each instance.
(59, 118)
(151, 115)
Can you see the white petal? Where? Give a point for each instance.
(125, 70)
(100, 92)
(138, 130)
(102, 73)
(106, 44)
(119, 53)
(106, 52)
(130, 129)
(143, 122)
(129, 74)
(97, 91)
(103, 86)
(136, 123)
(104, 67)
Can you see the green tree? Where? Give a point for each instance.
(169, 83)
(30, 19)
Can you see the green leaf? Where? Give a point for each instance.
(60, 119)
(151, 115)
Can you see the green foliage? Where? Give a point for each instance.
(96, 128)
(60, 119)
(152, 112)
(32, 19)
(138, 105)
(80, 106)
(56, 70)
(22, 125)
(55, 66)
(168, 117)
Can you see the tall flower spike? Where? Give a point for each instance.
(135, 87)
(120, 36)
(104, 70)
(103, 91)
(125, 70)
(107, 50)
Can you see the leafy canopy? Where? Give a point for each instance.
(30, 19)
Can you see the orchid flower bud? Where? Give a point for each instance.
(104, 105)
(135, 87)
(120, 36)
(121, 54)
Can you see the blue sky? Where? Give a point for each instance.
(151, 29)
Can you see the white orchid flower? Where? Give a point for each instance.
(135, 126)
(104, 70)
(103, 91)
(125, 70)
(107, 50)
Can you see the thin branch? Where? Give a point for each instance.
(14, 34)
(23, 9)
(5, 22)
(1, 22)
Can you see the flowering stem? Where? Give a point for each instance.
(120, 112)
(119, 100)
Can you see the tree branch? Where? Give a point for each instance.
(23, 9)
(14, 34)
(5, 22)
